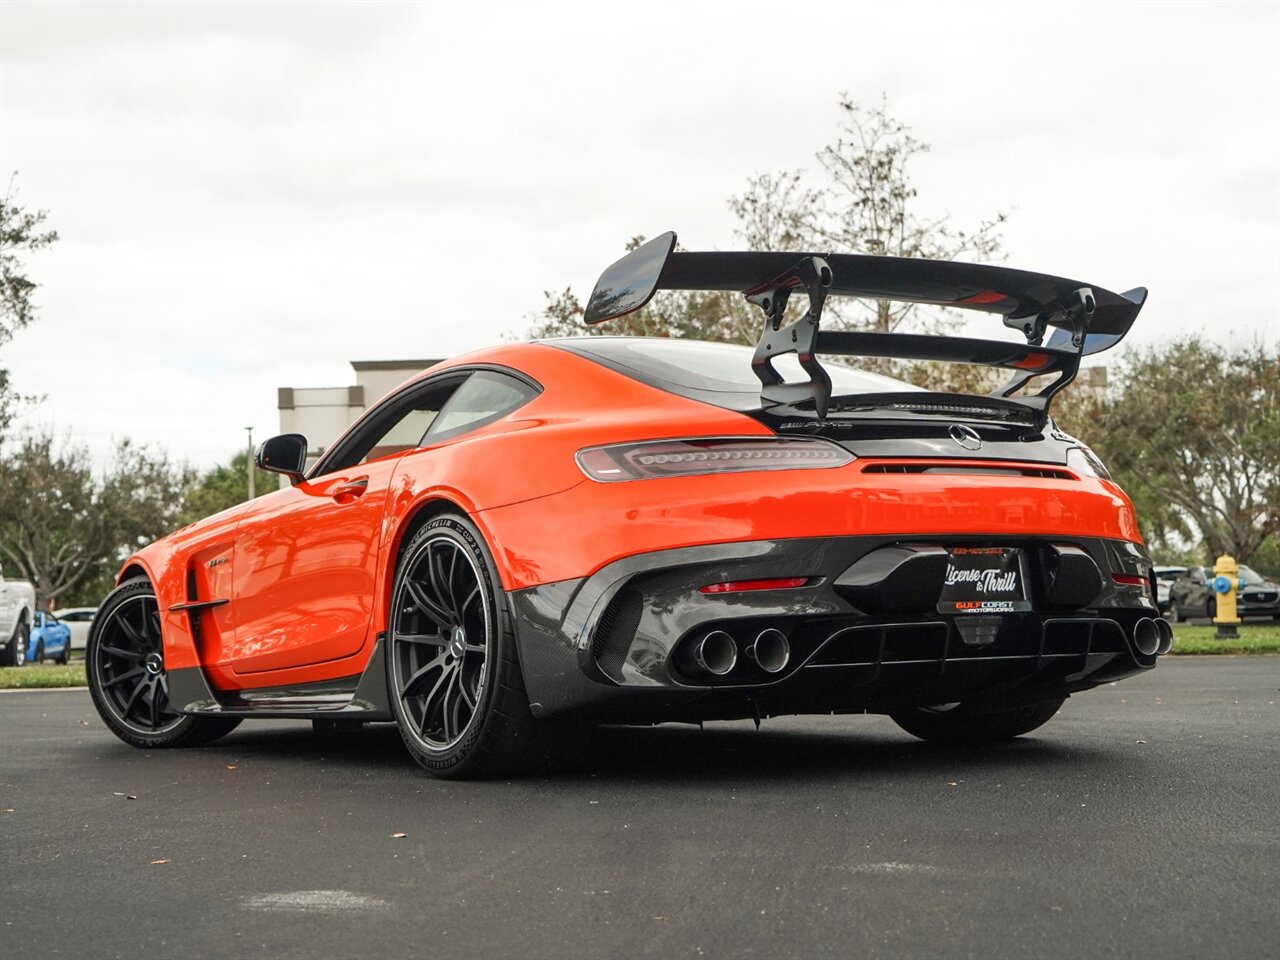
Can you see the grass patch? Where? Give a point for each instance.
(1255, 638)
(36, 675)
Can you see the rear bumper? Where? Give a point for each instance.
(612, 646)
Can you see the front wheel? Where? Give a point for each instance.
(1175, 612)
(954, 723)
(15, 655)
(124, 662)
(65, 657)
(453, 674)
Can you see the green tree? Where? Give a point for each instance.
(223, 487)
(861, 202)
(1193, 434)
(21, 233)
(66, 527)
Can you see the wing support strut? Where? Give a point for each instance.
(799, 337)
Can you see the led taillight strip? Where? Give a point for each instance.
(703, 455)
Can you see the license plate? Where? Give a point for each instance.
(984, 580)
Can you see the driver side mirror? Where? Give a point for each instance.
(285, 454)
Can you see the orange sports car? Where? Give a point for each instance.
(534, 538)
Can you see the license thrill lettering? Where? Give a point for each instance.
(986, 581)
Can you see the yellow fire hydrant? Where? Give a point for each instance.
(1226, 581)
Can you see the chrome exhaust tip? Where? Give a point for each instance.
(1166, 637)
(716, 653)
(1146, 636)
(770, 650)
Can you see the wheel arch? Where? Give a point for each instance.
(133, 570)
(414, 520)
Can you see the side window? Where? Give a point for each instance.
(485, 397)
(405, 433)
(392, 428)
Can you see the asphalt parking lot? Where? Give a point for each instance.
(1144, 821)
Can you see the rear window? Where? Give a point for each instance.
(694, 367)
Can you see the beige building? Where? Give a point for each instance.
(321, 414)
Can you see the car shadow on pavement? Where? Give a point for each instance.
(718, 753)
(730, 753)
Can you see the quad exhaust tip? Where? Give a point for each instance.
(716, 653)
(1146, 636)
(1166, 637)
(770, 650)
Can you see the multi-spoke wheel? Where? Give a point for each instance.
(127, 678)
(454, 679)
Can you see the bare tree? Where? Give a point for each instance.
(862, 202)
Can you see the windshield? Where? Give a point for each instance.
(1249, 575)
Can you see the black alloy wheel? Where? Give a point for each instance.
(39, 657)
(127, 678)
(454, 678)
(442, 641)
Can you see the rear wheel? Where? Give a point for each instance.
(1175, 612)
(455, 681)
(954, 723)
(127, 679)
(39, 655)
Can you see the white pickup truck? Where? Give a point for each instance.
(17, 610)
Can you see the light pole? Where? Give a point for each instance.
(248, 463)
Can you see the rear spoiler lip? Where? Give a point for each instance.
(1087, 319)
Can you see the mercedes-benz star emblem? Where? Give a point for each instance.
(967, 437)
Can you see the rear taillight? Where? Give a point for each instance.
(686, 458)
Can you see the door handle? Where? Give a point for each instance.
(351, 490)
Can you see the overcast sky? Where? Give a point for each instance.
(252, 195)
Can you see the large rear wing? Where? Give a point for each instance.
(1084, 318)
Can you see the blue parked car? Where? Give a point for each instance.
(50, 638)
